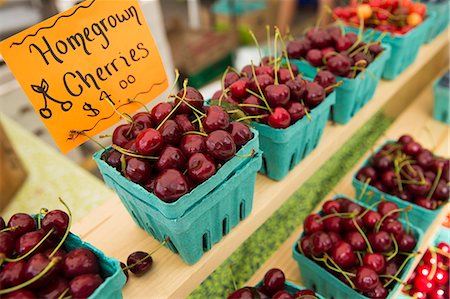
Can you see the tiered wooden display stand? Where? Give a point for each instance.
(111, 229)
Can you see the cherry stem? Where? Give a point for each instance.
(174, 108)
(50, 265)
(397, 174)
(123, 163)
(399, 270)
(172, 88)
(251, 117)
(275, 41)
(268, 42)
(379, 223)
(132, 154)
(63, 293)
(390, 257)
(363, 192)
(284, 52)
(87, 136)
(408, 227)
(369, 209)
(233, 278)
(256, 43)
(222, 82)
(392, 277)
(140, 103)
(254, 106)
(195, 133)
(198, 118)
(435, 183)
(190, 106)
(121, 115)
(42, 212)
(148, 255)
(433, 266)
(306, 111)
(6, 229)
(440, 251)
(254, 93)
(66, 233)
(342, 215)
(259, 88)
(341, 271)
(358, 254)
(47, 235)
(369, 247)
(339, 83)
(251, 154)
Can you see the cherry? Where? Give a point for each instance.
(404, 139)
(305, 245)
(371, 218)
(314, 94)
(389, 179)
(314, 57)
(320, 243)
(332, 224)
(417, 294)
(442, 191)
(252, 110)
(391, 268)
(356, 240)
(139, 262)
(343, 255)
(342, 44)
(305, 294)
(247, 71)
(325, 79)
(220, 145)
(240, 133)
(122, 135)
(141, 121)
(352, 207)
(55, 289)
(444, 247)
(265, 69)
(149, 141)
(392, 226)
(375, 49)
(263, 80)
(277, 95)
(438, 293)
(380, 241)
(297, 88)
(2, 223)
(425, 159)
(193, 98)
(34, 266)
(412, 148)
(282, 295)
(331, 207)
(385, 207)
(375, 261)
(137, 170)
(28, 241)
(284, 75)
(171, 157)
(348, 224)
(379, 292)
(274, 280)
(192, 143)
(80, 261)
(339, 65)
(367, 173)
(170, 185)
(422, 284)
(280, 118)
(296, 110)
(334, 237)
(216, 119)
(184, 124)
(160, 112)
(312, 223)
(382, 162)
(11, 274)
(298, 49)
(366, 279)
(20, 294)
(84, 285)
(420, 189)
(57, 220)
(7, 244)
(22, 223)
(243, 293)
(170, 132)
(230, 78)
(403, 195)
(201, 167)
(359, 57)
(432, 259)
(238, 89)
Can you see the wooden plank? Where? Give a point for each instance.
(111, 229)
(415, 120)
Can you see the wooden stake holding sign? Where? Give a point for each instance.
(78, 67)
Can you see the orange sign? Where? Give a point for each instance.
(80, 68)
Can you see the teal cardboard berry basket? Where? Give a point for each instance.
(292, 288)
(283, 149)
(353, 94)
(443, 235)
(442, 12)
(318, 279)
(441, 107)
(404, 48)
(199, 219)
(111, 272)
(421, 217)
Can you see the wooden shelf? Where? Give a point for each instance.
(111, 229)
(415, 120)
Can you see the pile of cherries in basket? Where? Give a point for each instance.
(364, 248)
(273, 93)
(408, 171)
(330, 49)
(395, 16)
(273, 286)
(177, 145)
(35, 263)
(430, 278)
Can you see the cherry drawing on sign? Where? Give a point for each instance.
(43, 89)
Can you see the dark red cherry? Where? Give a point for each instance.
(349, 224)
(371, 218)
(356, 240)
(404, 139)
(35, 265)
(193, 97)
(335, 237)
(7, 244)
(240, 133)
(320, 243)
(230, 78)
(382, 162)
(407, 243)
(263, 80)
(375, 49)
(2, 223)
(12, 274)
(277, 95)
(22, 223)
(389, 179)
(239, 88)
(138, 170)
(305, 245)
(274, 280)
(420, 189)
(366, 279)
(298, 49)
(160, 112)
(325, 79)
(296, 110)
(312, 223)
(339, 65)
(387, 207)
(391, 268)
(352, 207)
(170, 132)
(80, 261)
(314, 94)
(343, 255)
(367, 173)
(216, 119)
(412, 148)
(201, 167)
(297, 87)
(243, 293)
(112, 157)
(139, 262)
(184, 123)
(171, 157)
(442, 191)
(314, 57)
(251, 109)
(279, 119)
(57, 220)
(192, 143)
(282, 295)
(305, 294)
(379, 292)
(247, 71)
(375, 261)
(122, 135)
(425, 159)
(331, 207)
(332, 224)
(220, 145)
(84, 285)
(20, 294)
(54, 289)
(141, 121)
(170, 185)
(342, 44)
(28, 241)
(380, 241)
(149, 142)
(284, 75)
(265, 69)
(393, 226)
